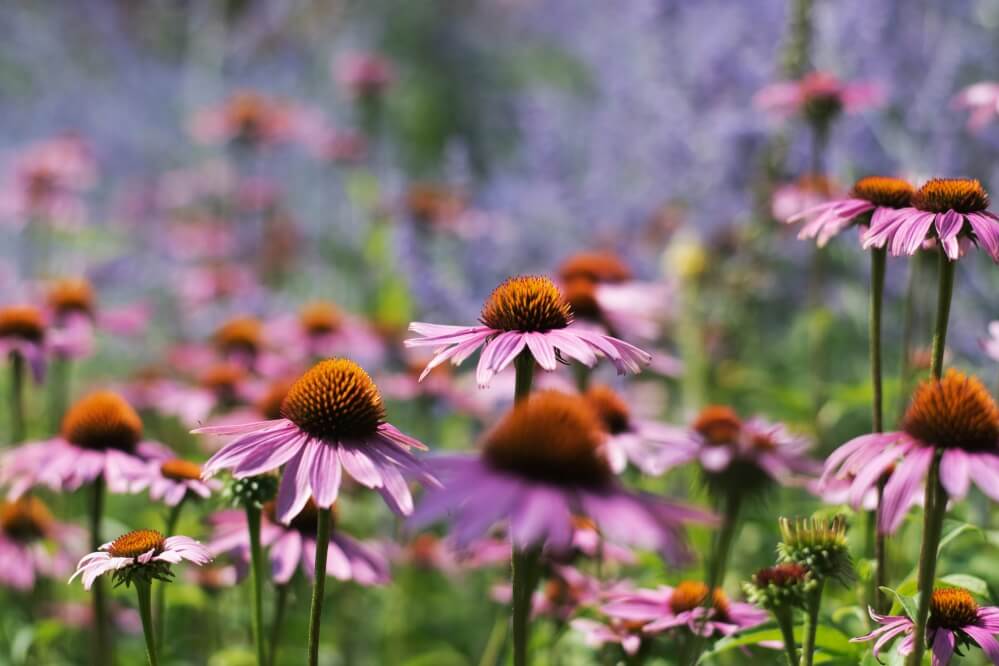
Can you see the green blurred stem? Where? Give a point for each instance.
(102, 638)
(525, 578)
(878, 261)
(908, 323)
(933, 517)
(159, 601)
(257, 567)
(142, 588)
(524, 365)
(17, 430)
(582, 374)
(494, 645)
(880, 554)
(786, 624)
(946, 290)
(814, 603)
(58, 390)
(281, 605)
(319, 584)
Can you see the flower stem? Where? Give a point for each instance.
(524, 365)
(582, 374)
(102, 638)
(880, 554)
(159, 601)
(908, 324)
(58, 390)
(525, 578)
(878, 261)
(17, 429)
(278, 624)
(786, 624)
(946, 290)
(811, 624)
(319, 585)
(933, 516)
(142, 588)
(257, 567)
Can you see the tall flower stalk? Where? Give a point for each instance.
(143, 589)
(319, 586)
(102, 633)
(17, 427)
(878, 261)
(159, 600)
(524, 563)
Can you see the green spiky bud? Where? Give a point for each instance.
(779, 587)
(253, 491)
(820, 545)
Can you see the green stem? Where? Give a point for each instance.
(524, 365)
(159, 601)
(525, 578)
(582, 374)
(102, 635)
(880, 554)
(278, 624)
(257, 567)
(878, 261)
(811, 624)
(17, 429)
(786, 624)
(908, 324)
(946, 290)
(494, 645)
(319, 585)
(933, 517)
(142, 588)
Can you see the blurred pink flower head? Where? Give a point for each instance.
(982, 100)
(819, 96)
(33, 543)
(46, 180)
(364, 74)
(24, 332)
(247, 118)
(170, 479)
(809, 191)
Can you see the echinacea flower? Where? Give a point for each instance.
(364, 74)
(23, 332)
(246, 118)
(74, 316)
(321, 329)
(562, 594)
(100, 438)
(683, 606)
(541, 465)
(818, 544)
(780, 587)
(33, 543)
(955, 414)
(597, 634)
(334, 420)
(171, 480)
(874, 201)
(140, 554)
(808, 191)
(944, 210)
(820, 96)
(46, 182)
(525, 312)
(293, 546)
(982, 100)
(956, 622)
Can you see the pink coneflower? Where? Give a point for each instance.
(525, 313)
(293, 546)
(956, 622)
(565, 591)
(540, 465)
(955, 414)
(242, 340)
(364, 74)
(806, 192)
(818, 94)
(321, 330)
(100, 439)
(46, 180)
(74, 315)
(23, 332)
(597, 634)
(151, 389)
(684, 606)
(874, 201)
(170, 479)
(140, 549)
(333, 421)
(982, 100)
(27, 533)
(248, 118)
(945, 210)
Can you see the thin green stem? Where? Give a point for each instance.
(159, 595)
(58, 390)
(257, 576)
(525, 578)
(878, 260)
(319, 585)
(811, 624)
(17, 429)
(142, 588)
(281, 605)
(494, 644)
(944, 293)
(933, 517)
(102, 635)
(880, 554)
(582, 374)
(908, 326)
(524, 365)
(786, 624)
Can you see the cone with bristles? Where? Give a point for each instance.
(782, 586)
(820, 545)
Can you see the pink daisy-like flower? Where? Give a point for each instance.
(364, 74)
(541, 465)
(140, 549)
(564, 592)
(74, 315)
(525, 312)
(101, 437)
(248, 118)
(683, 606)
(321, 330)
(806, 192)
(597, 634)
(171, 479)
(333, 421)
(818, 93)
(47, 180)
(23, 332)
(945, 210)
(28, 533)
(955, 414)
(294, 545)
(982, 100)
(956, 622)
(874, 201)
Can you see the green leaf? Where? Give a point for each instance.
(902, 601)
(956, 529)
(972, 584)
(829, 640)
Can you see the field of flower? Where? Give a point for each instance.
(499, 332)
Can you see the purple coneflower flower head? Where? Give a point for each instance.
(293, 546)
(74, 316)
(646, 444)
(874, 201)
(27, 533)
(145, 553)
(805, 193)
(955, 414)
(596, 634)
(948, 211)
(956, 622)
(100, 438)
(23, 332)
(684, 606)
(565, 591)
(540, 465)
(246, 118)
(322, 330)
(819, 96)
(170, 479)
(525, 312)
(364, 74)
(242, 340)
(982, 100)
(334, 420)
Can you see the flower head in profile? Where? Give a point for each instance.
(684, 606)
(948, 211)
(982, 101)
(74, 316)
(364, 74)
(873, 201)
(321, 329)
(101, 437)
(246, 118)
(782, 586)
(33, 543)
(956, 622)
(955, 414)
(802, 194)
(292, 547)
(170, 479)
(23, 332)
(140, 554)
(525, 312)
(540, 466)
(613, 631)
(819, 97)
(333, 420)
